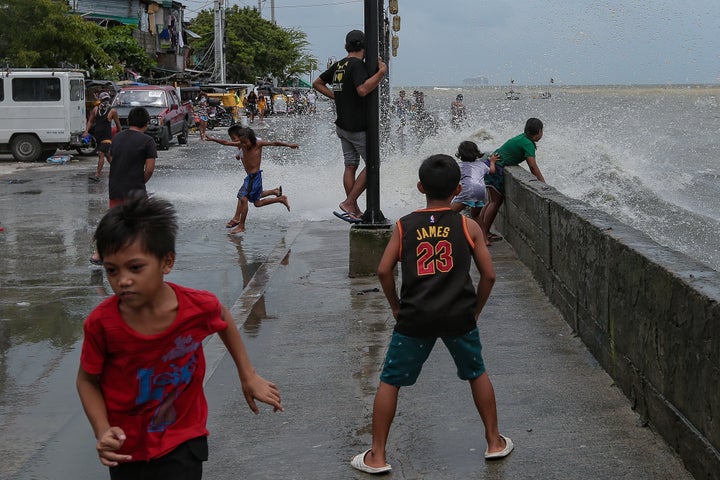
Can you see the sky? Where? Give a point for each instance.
(578, 42)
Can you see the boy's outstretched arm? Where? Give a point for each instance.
(484, 264)
(109, 439)
(221, 141)
(278, 144)
(254, 387)
(386, 272)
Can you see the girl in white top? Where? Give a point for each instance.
(473, 167)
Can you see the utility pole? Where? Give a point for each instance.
(369, 237)
(219, 71)
(372, 214)
(272, 10)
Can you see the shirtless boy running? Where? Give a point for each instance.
(251, 191)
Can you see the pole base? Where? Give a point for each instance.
(367, 245)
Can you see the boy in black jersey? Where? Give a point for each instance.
(435, 247)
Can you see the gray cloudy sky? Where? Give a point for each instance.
(574, 42)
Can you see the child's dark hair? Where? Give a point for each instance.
(249, 133)
(151, 220)
(439, 175)
(468, 151)
(138, 117)
(235, 131)
(533, 126)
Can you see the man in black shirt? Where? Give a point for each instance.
(349, 84)
(132, 162)
(133, 158)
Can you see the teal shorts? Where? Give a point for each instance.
(406, 356)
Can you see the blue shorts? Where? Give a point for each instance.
(406, 356)
(252, 187)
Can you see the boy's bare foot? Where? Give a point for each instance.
(283, 199)
(238, 229)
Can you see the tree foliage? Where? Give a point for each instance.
(254, 47)
(119, 43)
(41, 33)
(44, 34)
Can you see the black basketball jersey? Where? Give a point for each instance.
(437, 297)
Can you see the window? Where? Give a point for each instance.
(36, 89)
(77, 90)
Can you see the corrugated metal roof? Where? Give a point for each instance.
(114, 9)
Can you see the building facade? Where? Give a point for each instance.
(159, 27)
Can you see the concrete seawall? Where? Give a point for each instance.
(649, 315)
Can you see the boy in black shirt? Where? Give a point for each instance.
(435, 247)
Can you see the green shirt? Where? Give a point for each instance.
(516, 150)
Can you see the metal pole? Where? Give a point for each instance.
(372, 214)
(219, 71)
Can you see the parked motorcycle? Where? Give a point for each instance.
(219, 117)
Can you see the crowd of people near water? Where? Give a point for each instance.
(141, 367)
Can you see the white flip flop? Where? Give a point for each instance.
(358, 463)
(502, 453)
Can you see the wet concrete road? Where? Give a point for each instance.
(318, 334)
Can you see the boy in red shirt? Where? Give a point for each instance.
(142, 364)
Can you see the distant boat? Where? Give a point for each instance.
(512, 94)
(546, 94)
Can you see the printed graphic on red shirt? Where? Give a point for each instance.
(166, 386)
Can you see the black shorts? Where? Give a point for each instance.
(104, 147)
(183, 463)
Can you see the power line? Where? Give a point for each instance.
(319, 4)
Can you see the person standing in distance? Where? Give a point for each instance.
(350, 83)
(100, 121)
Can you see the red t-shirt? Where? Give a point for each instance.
(153, 384)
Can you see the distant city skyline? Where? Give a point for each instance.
(530, 41)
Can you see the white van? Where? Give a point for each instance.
(41, 111)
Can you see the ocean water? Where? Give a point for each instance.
(647, 155)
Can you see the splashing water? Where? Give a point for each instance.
(643, 154)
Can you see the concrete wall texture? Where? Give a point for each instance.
(648, 314)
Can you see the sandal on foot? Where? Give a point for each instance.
(502, 453)
(358, 463)
(494, 237)
(232, 223)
